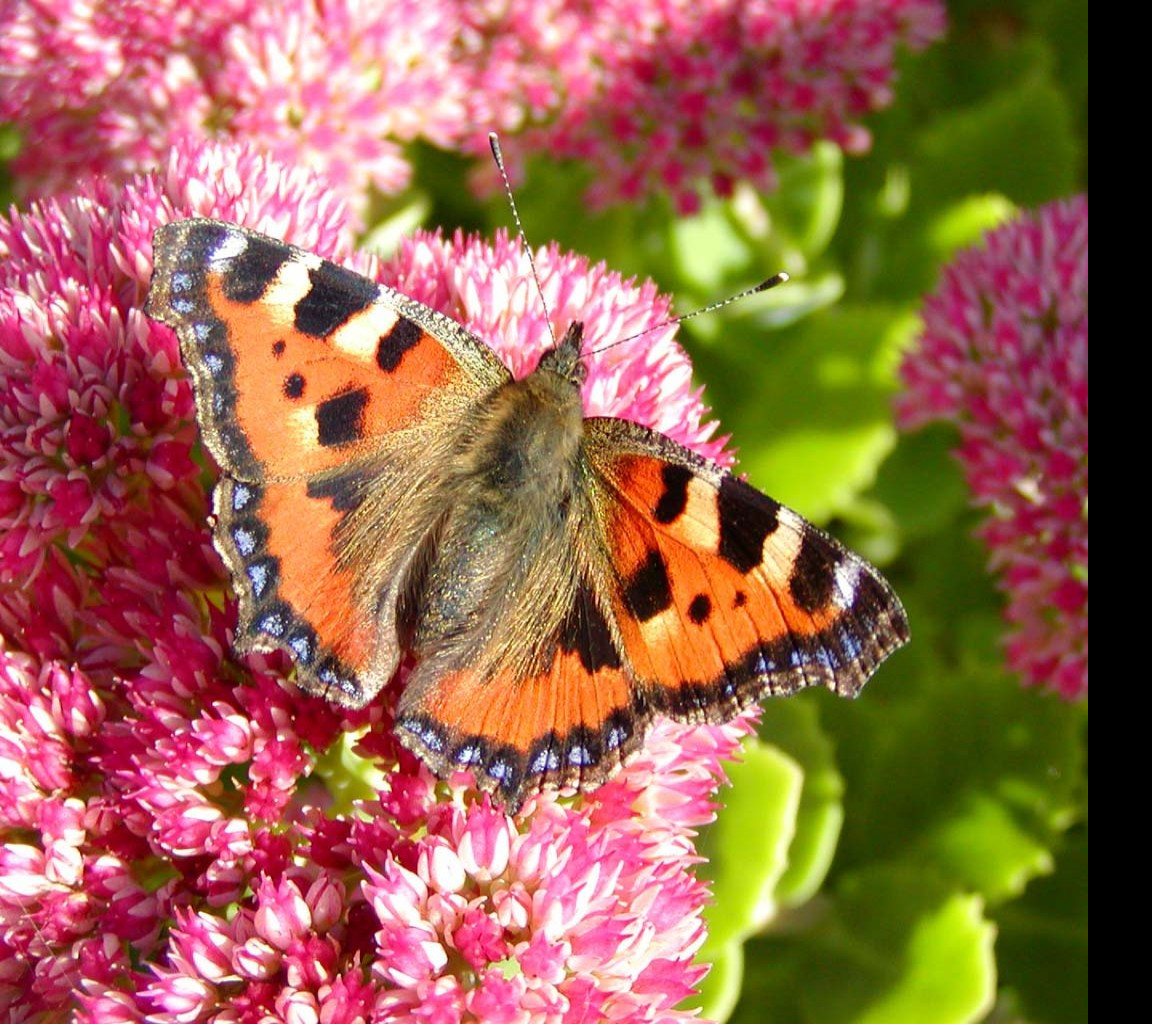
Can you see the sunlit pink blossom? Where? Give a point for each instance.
(339, 87)
(1004, 356)
(489, 287)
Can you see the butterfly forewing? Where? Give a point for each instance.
(304, 372)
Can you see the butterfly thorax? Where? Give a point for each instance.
(520, 448)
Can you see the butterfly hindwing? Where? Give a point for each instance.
(722, 595)
(304, 372)
(694, 596)
(570, 723)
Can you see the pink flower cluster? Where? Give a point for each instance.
(109, 87)
(1004, 355)
(683, 98)
(176, 838)
(661, 96)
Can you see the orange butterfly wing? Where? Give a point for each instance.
(723, 595)
(301, 370)
(571, 724)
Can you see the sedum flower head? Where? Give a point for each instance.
(109, 87)
(683, 99)
(178, 839)
(1004, 356)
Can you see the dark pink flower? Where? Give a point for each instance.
(683, 99)
(1004, 355)
(184, 836)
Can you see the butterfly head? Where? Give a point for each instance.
(566, 359)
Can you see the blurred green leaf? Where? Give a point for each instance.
(1043, 946)
(720, 990)
(892, 945)
(1019, 143)
(747, 844)
(794, 727)
(806, 209)
(988, 848)
(903, 949)
(810, 406)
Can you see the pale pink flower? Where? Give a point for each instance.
(489, 288)
(1004, 356)
(110, 87)
(168, 850)
(659, 97)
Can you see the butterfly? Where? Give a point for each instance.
(390, 492)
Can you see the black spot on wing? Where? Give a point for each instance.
(649, 591)
(336, 295)
(278, 347)
(404, 336)
(254, 268)
(340, 419)
(747, 519)
(700, 609)
(674, 499)
(812, 582)
(294, 386)
(586, 632)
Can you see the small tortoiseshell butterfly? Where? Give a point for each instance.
(389, 490)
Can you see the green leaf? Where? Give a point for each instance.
(965, 223)
(987, 755)
(720, 990)
(810, 406)
(793, 726)
(910, 951)
(747, 846)
(806, 209)
(1043, 945)
(893, 945)
(922, 484)
(347, 776)
(1019, 143)
(985, 845)
(709, 250)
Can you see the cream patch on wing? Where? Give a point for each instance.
(698, 525)
(291, 282)
(782, 546)
(359, 336)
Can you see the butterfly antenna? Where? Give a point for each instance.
(498, 156)
(763, 286)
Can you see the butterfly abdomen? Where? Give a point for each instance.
(507, 488)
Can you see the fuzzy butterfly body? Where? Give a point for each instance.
(390, 492)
